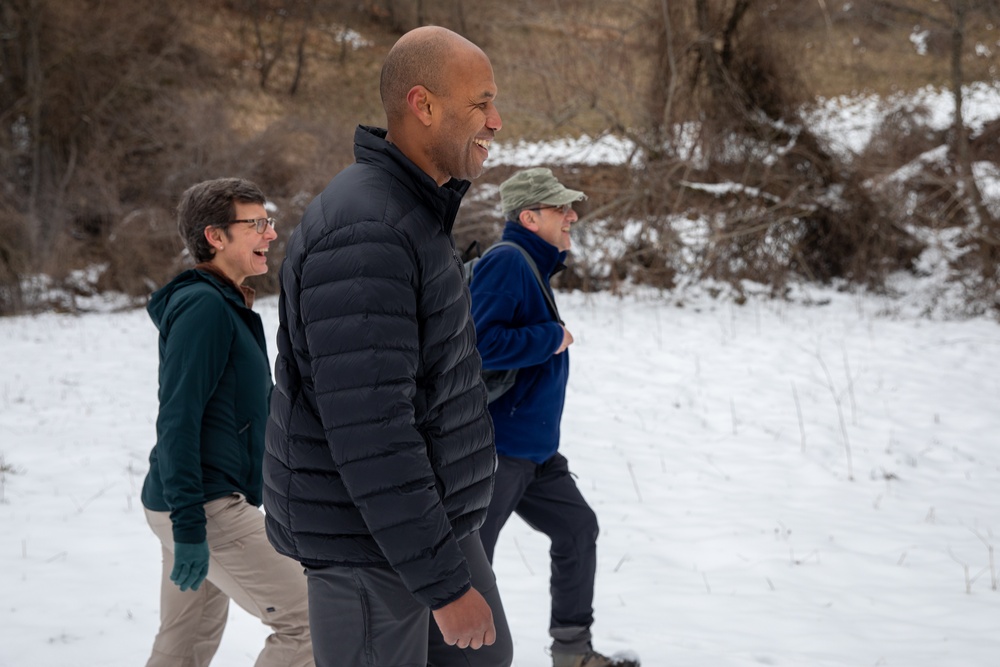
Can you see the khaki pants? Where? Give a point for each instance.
(243, 567)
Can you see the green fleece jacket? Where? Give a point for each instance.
(215, 384)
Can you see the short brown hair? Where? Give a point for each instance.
(212, 204)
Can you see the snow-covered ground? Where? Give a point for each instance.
(813, 483)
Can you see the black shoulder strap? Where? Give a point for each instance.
(534, 270)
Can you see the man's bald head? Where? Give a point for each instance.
(421, 57)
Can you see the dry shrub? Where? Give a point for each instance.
(83, 78)
(797, 209)
(806, 216)
(291, 160)
(854, 238)
(639, 206)
(903, 135)
(101, 68)
(143, 252)
(196, 145)
(403, 15)
(986, 144)
(288, 156)
(765, 73)
(978, 269)
(293, 155)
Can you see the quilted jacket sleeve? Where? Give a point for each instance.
(197, 336)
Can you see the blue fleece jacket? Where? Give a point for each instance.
(516, 329)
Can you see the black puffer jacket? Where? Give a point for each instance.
(379, 447)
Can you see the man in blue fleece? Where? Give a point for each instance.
(516, 328)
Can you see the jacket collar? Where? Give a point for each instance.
(371, 147)
(548, 258)
(159, 300)
(247, 292)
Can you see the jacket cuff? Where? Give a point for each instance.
(465, 589)
(189, 525)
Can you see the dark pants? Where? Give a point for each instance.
(546, 497)
(365, 617)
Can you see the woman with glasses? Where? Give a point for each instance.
(203, 489)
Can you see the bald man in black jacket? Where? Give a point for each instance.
(380, 456)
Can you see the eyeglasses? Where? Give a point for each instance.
(563, 210)
(260, 223)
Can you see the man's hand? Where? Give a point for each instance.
(467, 622)
(566, 341)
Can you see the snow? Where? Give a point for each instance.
(848, 122)
(605, 149)
(719, 189)
(918, 37)
(809, 482)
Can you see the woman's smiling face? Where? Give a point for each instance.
(240, 251)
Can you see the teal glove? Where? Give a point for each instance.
(190, 565)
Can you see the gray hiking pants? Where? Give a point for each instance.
(365, 617)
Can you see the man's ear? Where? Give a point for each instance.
(527, 220)
(419, 102)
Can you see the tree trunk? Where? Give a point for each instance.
(709, 52)
(968, 188)
(715, 53)
(300, 51)
(267, 58)
(663, 82)
(34, 79)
